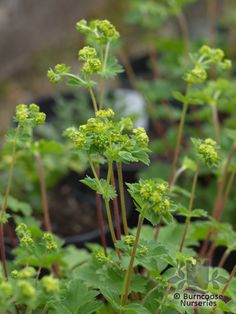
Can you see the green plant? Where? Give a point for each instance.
(153, 268)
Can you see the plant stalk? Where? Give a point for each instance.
(5, 203)
(218, 201)
(42, 182)
(102, 85)
(224, 258)
(116, 208)
(190, 207)
(127, 280)
(95, 107)
(216, 122)
(179, 138)
(122, 198)
(100, 217)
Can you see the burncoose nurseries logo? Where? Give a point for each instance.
(192, 280)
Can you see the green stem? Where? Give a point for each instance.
(122, 198)
(102, 85)
(95, 107)
(43, 190)
(179, 138)
(5, 202)
(216, 123)
(187, 223)
(127, 280)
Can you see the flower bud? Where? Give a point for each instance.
(50, 284)
(87, 53)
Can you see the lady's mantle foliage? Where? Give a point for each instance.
(113, 140)
(152, 198)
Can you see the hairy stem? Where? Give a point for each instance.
(42, 182)
(231, 276)
(179, 138)
(102, 85)
(216, 123)
(127, 280)
(218, 200)
(116, 208)
(99, 206)
(190, 206)
(219, 214)
(224, 258)
(95, 107)
(122, 198)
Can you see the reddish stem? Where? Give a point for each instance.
(100, 218)
(3, 255)
(116, 208)
(47, 221)
(217, 210)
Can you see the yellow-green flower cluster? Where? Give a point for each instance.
(102, 31)
(55, 75)
(26, 288)
(50, 284)
(157, 194)
(5, 288)
(152, 198)
(112, 140)
(214, 55)
(207, 151)
(109, 113)
(101, 257)
(92, 64)
(50, 243)
(141, 136)
(205, 57)
(129, 240)
(27, 272)
(29, 114)
(197, 75)
(24, 235)
(87, 53)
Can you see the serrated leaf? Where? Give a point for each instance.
(102, 187)
(78, 299)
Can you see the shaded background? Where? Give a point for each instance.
(36, 35)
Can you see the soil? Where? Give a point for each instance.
(72, 208)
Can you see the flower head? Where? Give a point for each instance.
(26, 288)
(55, 75)
(92, 65)
(109, 113)
(207, 151)
(141, 136)
(50, 284)
(87, 53)
(29, 115)
(50, 243)
(152, 198)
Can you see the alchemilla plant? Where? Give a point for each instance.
(161, 266)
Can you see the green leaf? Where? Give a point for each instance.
(126, 157)
(102, 187)
(135, 308)
(17, 206)
(180, 97)
(77, 299)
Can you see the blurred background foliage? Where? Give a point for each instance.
(37, 35)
